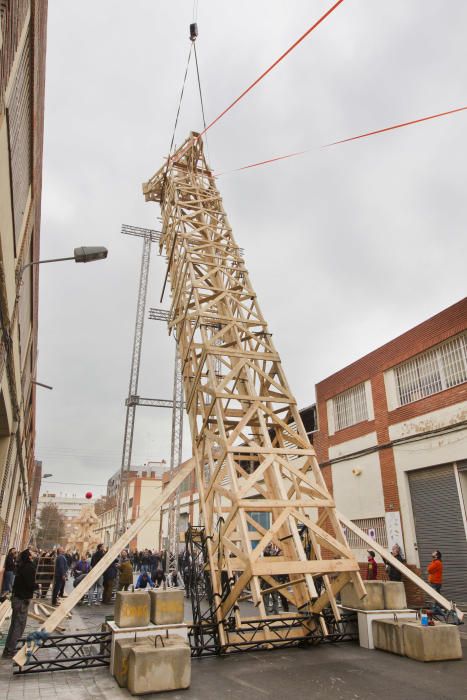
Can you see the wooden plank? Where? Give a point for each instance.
(5, 611)
(90, 579)
(316, 566)
(420, 583)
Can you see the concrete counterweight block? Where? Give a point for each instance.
(154, 669)
(388, 636)
(438, 643)
(167, 607)
(374, 599)
(122, 652)
(394, 595)
(132, 609)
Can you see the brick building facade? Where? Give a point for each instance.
(392, 444)
(22, 79)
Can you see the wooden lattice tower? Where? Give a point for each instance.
(251, 450)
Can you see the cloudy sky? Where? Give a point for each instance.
(347, 246)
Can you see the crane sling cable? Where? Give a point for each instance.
(350, 138)
(258, 79)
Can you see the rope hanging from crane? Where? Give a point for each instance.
(263, 75)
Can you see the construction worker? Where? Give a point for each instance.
(23, 591)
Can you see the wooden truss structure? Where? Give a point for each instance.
(252, 453)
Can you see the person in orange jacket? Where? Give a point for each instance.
(435, 571)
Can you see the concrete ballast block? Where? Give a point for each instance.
(132, 609)
(156, 669)
(121, 654)
(394, 595)
(439, 643)
(388, 636)
(167, 607)
(374, 599)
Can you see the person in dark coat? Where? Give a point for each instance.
(393, 573)
(109, 577)
(61, 567)
(9, 573)
(154, 563)
(23, 591)
(159, 578)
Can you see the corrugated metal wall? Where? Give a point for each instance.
(439, 525)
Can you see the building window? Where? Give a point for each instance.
(350, 407)
(437, 369)
(374, 527)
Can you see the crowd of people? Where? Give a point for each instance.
(38, 573)
(35, 573)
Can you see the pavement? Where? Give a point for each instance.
(341, 671)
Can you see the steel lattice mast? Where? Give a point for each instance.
(133, 387)
(251, 451)
(175, 461)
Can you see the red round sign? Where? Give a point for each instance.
(88, 494)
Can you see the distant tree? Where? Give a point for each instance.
(104, 503)
(51, 530)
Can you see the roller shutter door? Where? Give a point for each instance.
(439, 525)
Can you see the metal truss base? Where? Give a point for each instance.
(68, 652)
(253, 634)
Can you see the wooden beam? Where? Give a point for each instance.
(316, 566)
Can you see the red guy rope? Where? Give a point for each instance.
(351, 138)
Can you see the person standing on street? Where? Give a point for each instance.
(61, 567)
(435, 571)
(372, 567)
(23, 591)
(110, 575)
(98, 587)
(125, 572)
(9, 573)
(435, 575)
(393, 573)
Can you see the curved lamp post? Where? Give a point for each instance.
(83, 254)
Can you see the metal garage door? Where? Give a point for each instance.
(439, 525)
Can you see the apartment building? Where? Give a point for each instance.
(22, 76)
(144, 484)
(392, 444)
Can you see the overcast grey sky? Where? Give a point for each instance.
(347, 246)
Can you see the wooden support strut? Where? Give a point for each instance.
(399, 566)
(90, 579)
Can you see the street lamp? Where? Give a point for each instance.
(83, 254)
